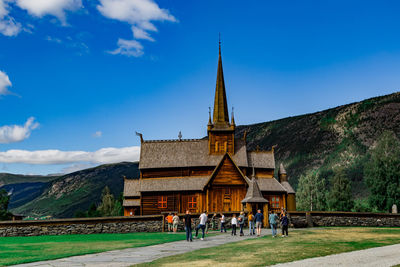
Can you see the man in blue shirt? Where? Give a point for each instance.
(273, 218)
(259, 217)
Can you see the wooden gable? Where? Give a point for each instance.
(227, 173)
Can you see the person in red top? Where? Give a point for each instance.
(169, 221)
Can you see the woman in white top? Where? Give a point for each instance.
(234, 223)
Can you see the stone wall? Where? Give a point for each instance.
(82, 226)
(312, 219)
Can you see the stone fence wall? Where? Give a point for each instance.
(157, 223)
(83, 226)
(301, 219)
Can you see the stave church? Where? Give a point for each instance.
(216, 173)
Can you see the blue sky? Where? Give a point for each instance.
(78, 77)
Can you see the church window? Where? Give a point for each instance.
(216, 146)
(274, 201)
(225, 146)
(192, 202)
(162, 202)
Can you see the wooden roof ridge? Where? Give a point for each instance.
(171, 140)
(226, 155)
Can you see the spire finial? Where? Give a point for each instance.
(233, 117)
(209, 116)
(219, 42)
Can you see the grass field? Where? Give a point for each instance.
(299, 245)
(15, 250)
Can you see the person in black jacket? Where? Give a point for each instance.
(187, 220)
(285, 225)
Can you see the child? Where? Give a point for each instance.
(234, 224)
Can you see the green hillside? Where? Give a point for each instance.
(76, 191)
(325, 140)
(8, 178)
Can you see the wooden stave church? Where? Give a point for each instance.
(216, 173)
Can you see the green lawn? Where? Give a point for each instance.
(301, 244)
(15, 250)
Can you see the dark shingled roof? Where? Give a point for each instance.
(261, 159)
(253, 194)
(131, 202)
(131, 188)
(288, 187)
(185, 153)
(270, 184)
(174, 184)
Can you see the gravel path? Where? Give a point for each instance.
(130, 256)
(381, 256)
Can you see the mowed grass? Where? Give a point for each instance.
(15, 250)
(300, 244)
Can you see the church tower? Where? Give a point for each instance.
(221, 132)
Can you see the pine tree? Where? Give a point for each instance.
(383, 172)
(107, 205)
(340, 197)
(311, 192)
(4, 200)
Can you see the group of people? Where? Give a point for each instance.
(254, 221)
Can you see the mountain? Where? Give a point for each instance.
(69, 193)
(325, 140)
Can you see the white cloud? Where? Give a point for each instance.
(98, 134)
(130, 48)
(8, 26)
(17, 133)
(101, 156)
(57, 8)
(5, 83)
(140, 14)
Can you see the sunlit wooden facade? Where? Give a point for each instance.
(206, 174)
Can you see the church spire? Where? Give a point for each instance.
(220, 116)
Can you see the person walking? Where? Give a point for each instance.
(175, 222)
(223, 222)
(234, 224)
(259, 217)
(241, 222)
(273, 222)
(202, 225)
(187, 220)
(214, 222)
(285, 225)
(169, 221)
(251, 224)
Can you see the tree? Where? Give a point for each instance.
(340, 197)
(382, 172)
(106, 207)
(109, 206)
(4, 200)
(311, 192)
